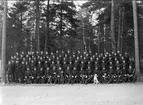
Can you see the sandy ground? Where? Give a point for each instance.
(77, 94)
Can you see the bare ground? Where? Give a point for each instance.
(77, 94)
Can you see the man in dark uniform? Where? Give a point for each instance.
(27, 75)
(8, 73)
(22, 70)
(48, 75)
(89, 74)
(131, 74)
(34, 74)
(118, 71)
(17, 71)
(62, 75)
(54, 72)
(111, 74)
(41, 75)
(82, 72)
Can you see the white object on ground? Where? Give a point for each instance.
(95, 79)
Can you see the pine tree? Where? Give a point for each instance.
(137, 64)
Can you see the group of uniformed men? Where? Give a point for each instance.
(62, 67)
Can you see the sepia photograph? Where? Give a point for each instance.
(71, 52)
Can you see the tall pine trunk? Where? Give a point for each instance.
(83, 34)
(119, 28)
(113, 27)
(37, 26)
(105, 50)
(122, 30)
(3, 69)
(61, 16)
(137, 64)
(47, 25)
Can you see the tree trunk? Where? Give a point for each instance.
(122, 30)
(84, 43)
(3, 72)
(137, 64)
(61, 31)
(47, 25)
(113, 27)
(37, 25)
(104, 26)
(119, 28)
(99, 41)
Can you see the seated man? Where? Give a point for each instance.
(95, 79)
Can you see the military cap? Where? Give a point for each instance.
(42, 52)
(82, 62)
(11, 57)
(46, 61)
(62, 51)
(14, 57)
(22, 53)
(110, 67)
(88, 67)
(75, 61)
(65, 55)
(57, 51)
(16, 61)
(84, 58)
(37, 52)
(115, 59)
(97, 58)
(28, 52)
(46, 52)
(130, 66)
(32, 61)
(27, 56)
(60, 68)
(9, 62)
(60, 55)
(52, 62)
(88, 62)
(34, 68)
(58, 62)
(17, 53)
(39, 62)
(68, 51)
(118, 68)
(22, 62)
(96, 54)
(70, 62)
(64, 58)
(77, 58)
(12, 61)
(95, 62)
(28, 68)
(73, 55)
(64, 62)
(124, 61)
